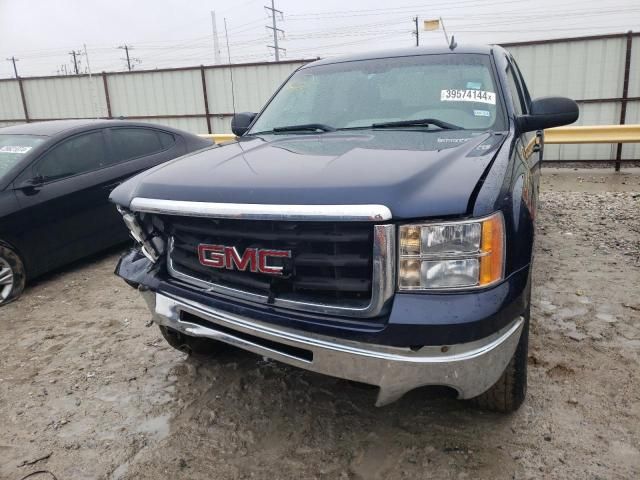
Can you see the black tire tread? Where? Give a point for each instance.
(509, 392)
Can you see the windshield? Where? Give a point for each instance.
(456, 89)
(13, 148)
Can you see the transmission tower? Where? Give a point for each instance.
(275, 29)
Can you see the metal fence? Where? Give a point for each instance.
(601, 72)
(197, 99)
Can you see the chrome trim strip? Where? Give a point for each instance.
(382, 286)
(251, 211)
(470, 368)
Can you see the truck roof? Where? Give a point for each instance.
(405, 52)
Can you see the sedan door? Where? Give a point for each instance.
(61, 196)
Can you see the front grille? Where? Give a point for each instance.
(331, 262)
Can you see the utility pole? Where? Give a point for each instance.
(126, 47)
(417, 31)
(130, 60)
(14, 60)
(274, 27)
(75, 54)
(216, 42)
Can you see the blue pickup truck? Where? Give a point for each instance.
(374, 222)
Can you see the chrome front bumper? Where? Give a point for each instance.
(469, 368)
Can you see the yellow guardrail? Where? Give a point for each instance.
(219, 137)
(588, 134)
(593, 134)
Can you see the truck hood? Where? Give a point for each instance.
(416, 174)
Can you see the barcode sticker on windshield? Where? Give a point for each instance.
(455, 95)
(16, 149)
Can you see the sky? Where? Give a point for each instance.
(172, 33)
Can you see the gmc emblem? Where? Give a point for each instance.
(254, 259)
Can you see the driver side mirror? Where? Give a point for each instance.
(241, 121)
(31, 185)
(547, 112)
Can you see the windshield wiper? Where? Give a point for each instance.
(306, 127)
(418, 123)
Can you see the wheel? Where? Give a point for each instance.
(508, 393)
(187, 344)
(12, 275)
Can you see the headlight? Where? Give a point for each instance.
(451, 255)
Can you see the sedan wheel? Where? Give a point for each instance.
(12, 276)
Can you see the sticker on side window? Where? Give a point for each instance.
(481, 113)
(12, 149)
(455, 95)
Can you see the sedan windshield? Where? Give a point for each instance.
(13, 148)
(422, 92)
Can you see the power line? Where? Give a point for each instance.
(472, 19)
(275, 29)
(315, 29)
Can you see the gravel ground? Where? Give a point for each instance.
(89, 390)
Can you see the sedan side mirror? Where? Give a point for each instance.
(547, 112)
(31, 185)
(241, 121)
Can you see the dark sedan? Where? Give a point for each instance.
(55, 180)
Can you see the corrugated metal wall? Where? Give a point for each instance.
(579, 69)
(632, 150)
(65, 97)
(10, 101)
(156, 93)
(173, 97)
(589, 69)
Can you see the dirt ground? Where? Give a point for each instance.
(89, 390)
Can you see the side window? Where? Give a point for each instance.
(166, 139)
(513, 86)
(76, 155)
(131, 143)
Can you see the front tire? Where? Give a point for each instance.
(509, 392)
(188, 344)
(12, 275)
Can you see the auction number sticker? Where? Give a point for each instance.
(455, 95)
(12, 149)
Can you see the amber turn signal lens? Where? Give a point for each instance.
(492, 250)
(410, 240)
